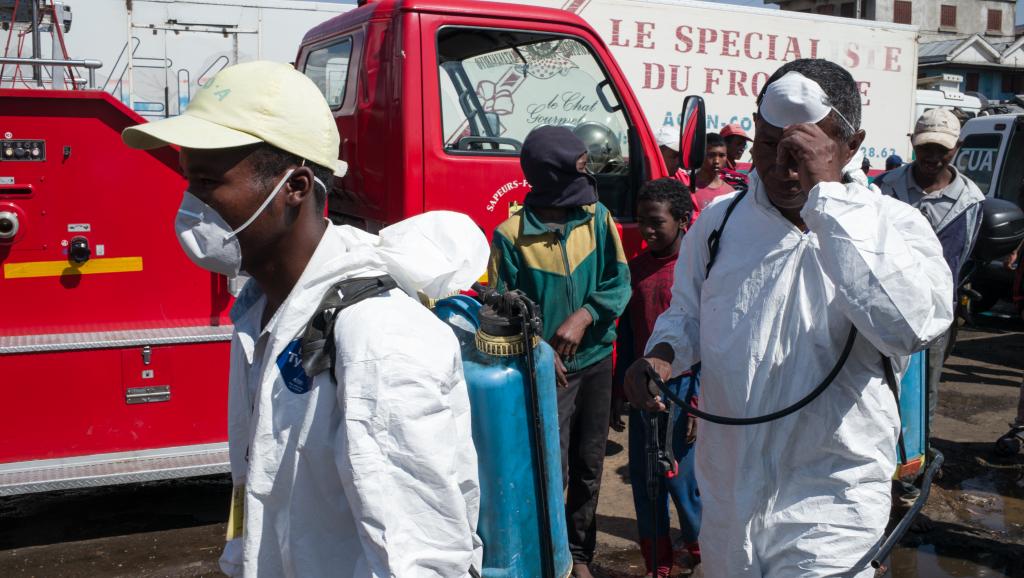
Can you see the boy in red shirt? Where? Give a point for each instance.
(710, 182)
(663, 213)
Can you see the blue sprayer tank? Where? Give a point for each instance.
(914, 415)
(520, 475)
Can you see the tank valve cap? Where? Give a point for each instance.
(79, 251)
(8, 225)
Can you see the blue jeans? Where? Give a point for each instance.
(682, 488)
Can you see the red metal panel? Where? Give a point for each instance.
(123, 202)
(73, 403)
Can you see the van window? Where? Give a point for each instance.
(327, 67)
(977, 158)
(498, 85)
(1011, 182)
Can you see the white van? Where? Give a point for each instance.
(929, 99)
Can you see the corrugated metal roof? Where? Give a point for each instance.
(938, 49)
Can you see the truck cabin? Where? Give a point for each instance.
(434, 100)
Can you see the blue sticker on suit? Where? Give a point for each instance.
(289, 363)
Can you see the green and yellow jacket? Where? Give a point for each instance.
(584, 266)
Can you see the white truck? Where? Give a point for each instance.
(157, 53)
(725, 53)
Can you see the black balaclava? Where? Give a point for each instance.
(548, 160)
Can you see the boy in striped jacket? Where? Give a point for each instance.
(563, 251)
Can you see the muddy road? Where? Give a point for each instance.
(973, 524)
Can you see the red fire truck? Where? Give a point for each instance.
(433, 101)
(114, 348)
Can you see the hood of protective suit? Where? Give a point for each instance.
(853, 171)
(436, 254)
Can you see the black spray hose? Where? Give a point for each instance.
(651, 443)
(654, 378)
(882, 550)
(547, 549)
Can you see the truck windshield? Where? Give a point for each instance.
(977, 158)
(498, 85)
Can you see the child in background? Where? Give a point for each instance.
(663, 213)
(709, 179)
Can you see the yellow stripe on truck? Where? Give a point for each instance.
(58, 268)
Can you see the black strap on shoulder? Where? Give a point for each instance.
(716, 235)
(894, 387)
(318, 352)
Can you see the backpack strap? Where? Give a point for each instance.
(716, 235)
(318, 351)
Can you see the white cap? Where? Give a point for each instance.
(939, 126)
(796, 99)
(246, 104)
(668, 137)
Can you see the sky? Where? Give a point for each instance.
(1020, 5)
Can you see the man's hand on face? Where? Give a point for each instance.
(635, 383)
(567, 339)
(818, 157)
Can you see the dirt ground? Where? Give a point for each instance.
(974, 522)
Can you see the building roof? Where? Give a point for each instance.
(930, 51)
(973, 50)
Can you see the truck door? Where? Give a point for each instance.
(332, 65)
(486, 84)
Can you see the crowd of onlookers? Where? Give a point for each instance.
(603, 288)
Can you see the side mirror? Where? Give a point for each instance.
(1002, 229)
(692, 134)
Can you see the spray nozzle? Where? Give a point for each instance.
(514, 307)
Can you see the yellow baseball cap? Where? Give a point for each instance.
(246, 104)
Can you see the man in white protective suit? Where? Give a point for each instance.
(367, 467)
(807, 253)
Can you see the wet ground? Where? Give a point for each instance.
(973, 524)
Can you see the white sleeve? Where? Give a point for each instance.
(679, 325)
(886, 263)
(231, 559)
(404, 452)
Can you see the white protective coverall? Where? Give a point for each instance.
(807, 495)
(377, 476)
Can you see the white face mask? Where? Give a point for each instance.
(206, 237)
